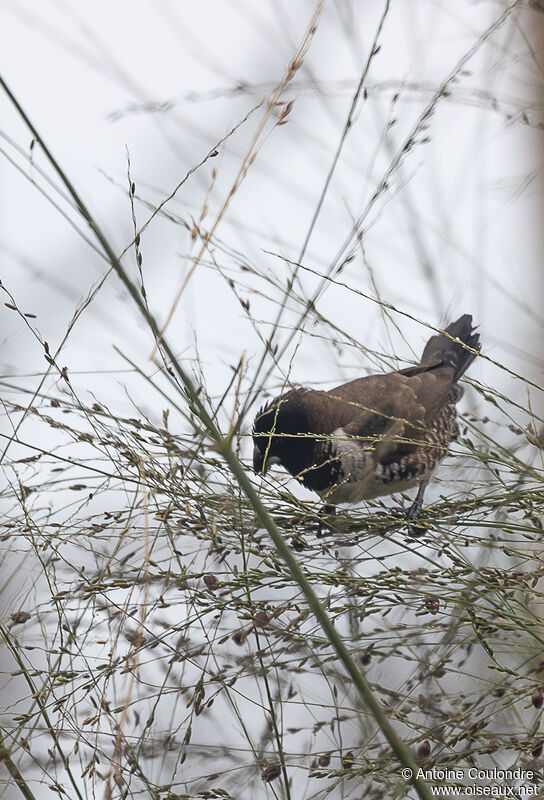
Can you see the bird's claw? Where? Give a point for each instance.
(410, 515)
(416, 531)
(324, 520)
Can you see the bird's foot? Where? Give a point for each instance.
(414, 531)
(324, 520)
(414, 511)
(410, 515)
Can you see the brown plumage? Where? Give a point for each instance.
(372, 436)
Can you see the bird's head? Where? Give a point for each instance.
(267, 439)
(280, 435)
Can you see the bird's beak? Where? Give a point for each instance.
(260, 466)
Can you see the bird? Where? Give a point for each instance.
(375, 435)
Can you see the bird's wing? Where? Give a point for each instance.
(385, 442)
(393, 412)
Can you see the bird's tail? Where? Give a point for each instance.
(453, 353)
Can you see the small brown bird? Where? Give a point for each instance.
(372, 436)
